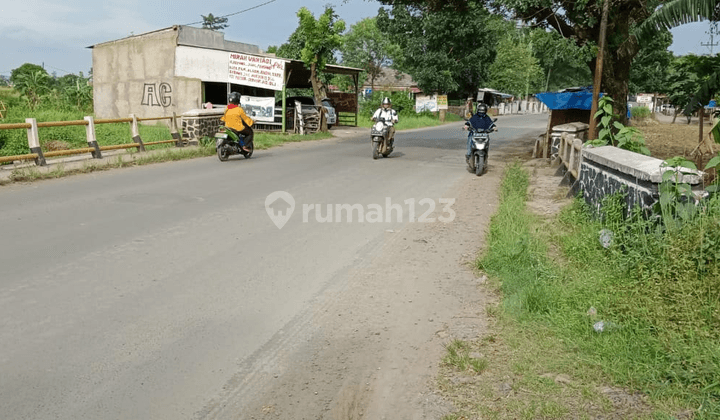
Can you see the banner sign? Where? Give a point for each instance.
(251, 70)
(442, 102)
(259, 109)
(426, 103)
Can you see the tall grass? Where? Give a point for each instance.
(14, 142)
(656, 291)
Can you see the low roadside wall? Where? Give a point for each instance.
(607, 170)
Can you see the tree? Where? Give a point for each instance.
(515, 69)
(564, 64)
(580, 21)
(292, 49)
(649, 69)
(680, 12)
(214, 23)
(443, 50)
(80, 93)
(32, 86)
(4, 80)
(367, 48)
(26, 68)
(322, 38)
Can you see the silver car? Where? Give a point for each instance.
(308, 102)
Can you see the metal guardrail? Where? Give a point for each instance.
(31, 125)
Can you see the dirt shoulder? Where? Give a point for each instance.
(373, 346)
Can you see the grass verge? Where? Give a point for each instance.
(627, 332)
(410, 122)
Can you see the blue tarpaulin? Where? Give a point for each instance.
(575, 99)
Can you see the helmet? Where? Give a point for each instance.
(386, 101)
(482, 109)
(234, 98)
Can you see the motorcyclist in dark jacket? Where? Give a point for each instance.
(479, 121)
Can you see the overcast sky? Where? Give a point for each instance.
(56, 33)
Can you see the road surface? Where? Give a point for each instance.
(168, 292)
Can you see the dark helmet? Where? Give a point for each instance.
(234, 98)
(482, 109)
(386, 101)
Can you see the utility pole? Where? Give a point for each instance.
(713, 30)
(592, 131)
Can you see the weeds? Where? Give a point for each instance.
(655, 290)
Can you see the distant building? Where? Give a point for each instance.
(391, 80)
(181, 68)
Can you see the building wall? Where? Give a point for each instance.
(136, 75)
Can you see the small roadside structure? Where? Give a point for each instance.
(182, 69)
(566, 106)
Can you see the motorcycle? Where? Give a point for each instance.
(380, 143)
(228, 143)
(477, 162)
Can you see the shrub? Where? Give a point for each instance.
(640, 112)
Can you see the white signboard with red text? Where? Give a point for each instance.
(252, 70)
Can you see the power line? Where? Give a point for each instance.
(236, 13)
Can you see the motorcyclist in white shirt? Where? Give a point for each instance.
(389, 115)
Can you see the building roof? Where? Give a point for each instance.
(391, 78)
(298, 76)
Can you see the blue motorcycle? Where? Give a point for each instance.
(479, 148)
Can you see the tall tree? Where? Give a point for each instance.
(26, 68)
(649, 69)
(679, 12)
(515, 69)
(323, 36)
(581, 21)
(443, 50)
(367, 48)
(214, 23)
(564, 64)
(32, 86)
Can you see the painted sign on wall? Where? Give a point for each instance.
(252, 70)
(157, 94)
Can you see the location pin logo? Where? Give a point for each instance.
(280, 205)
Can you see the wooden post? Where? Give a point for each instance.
(592, 132)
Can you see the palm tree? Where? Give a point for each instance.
(680, 12)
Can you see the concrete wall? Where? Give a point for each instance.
(136, 76)
(608, 170)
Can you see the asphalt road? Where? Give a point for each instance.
(137, 293)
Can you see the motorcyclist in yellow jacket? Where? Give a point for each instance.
(236, 119)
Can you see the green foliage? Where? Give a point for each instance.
(649, 70)
(32, 86)
(443, 50)
(24, 70)
(367, 48)
(564, 63)
(676, 13)
(401, 102)
(515, 69)
(215, 23)
(658, 288)
(614, 133)
(640, 112)
(686, 77)
(322, 37)
(677, 202)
